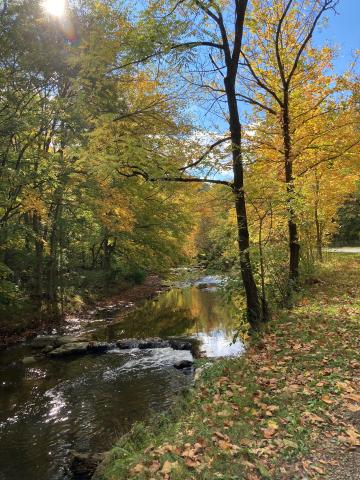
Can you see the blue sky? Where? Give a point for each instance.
(343, 30)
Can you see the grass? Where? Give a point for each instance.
(272, 414)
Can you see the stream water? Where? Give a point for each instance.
(84, 403)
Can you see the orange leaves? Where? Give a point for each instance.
(327, 399)
(351, 437)
(313, 417)
(271, 429)
(223, 442)
(168, 467)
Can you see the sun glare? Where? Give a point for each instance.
(54, 7)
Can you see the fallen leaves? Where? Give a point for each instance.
(297, 391)
(352, 437)
(168, 467)
(352, 408)
(271, 429)
(309, 468)
(224, 413)
(139, 468)
(352, 396)
(327, 399)
(223, 442)
(313, 417)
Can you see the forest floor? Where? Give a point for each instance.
(288, 409)
(126, 294)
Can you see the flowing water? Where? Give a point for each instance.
(84, 403)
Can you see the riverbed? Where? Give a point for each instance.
(84, 403)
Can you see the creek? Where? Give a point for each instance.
(83, 403)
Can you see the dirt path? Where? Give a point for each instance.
(343, 250)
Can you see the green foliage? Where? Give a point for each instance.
(9, 291)
(349, 221)
(73, 218)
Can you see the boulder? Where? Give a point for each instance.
(99, 347)
(83, 465)
(202, 286)
(28, 360)
(78, 348)
(45, 341)
(183, 364)
(142, 343)
(153, 343)
(65, 339)
(127, 344)
(180, 345)
(47, 349)
(42, 341)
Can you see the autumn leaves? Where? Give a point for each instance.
(287, 410)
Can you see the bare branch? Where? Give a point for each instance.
(158, 53)
(260, 82)
(277, 38)
(217, 68)
(208, 151)
(252, 101)
(328, 5)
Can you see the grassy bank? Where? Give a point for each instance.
(289, 409)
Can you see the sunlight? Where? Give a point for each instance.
(54, 7)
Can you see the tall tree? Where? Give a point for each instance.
(218, 46)
(281, 62)
(67, 219)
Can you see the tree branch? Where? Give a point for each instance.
(193, 180)
(208, 151)
(252, 101)
(328, 4)
(259, 81)
(277, 38)
(329, 159)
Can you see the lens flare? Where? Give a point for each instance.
(54, 7)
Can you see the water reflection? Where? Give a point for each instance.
(194, 312)
(85, 403)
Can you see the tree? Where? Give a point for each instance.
(68, 221)
(282, 71)
(222, 39)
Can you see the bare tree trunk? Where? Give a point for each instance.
(294, 245)
(317, 220)
(254, 311)
(264, 303)
(52, 286)
(37, 292)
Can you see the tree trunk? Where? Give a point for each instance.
(317, 221)
(264, 304)
(254, 310)
(52, 285)
(319, 241)
(37, 291)
(294, 246)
